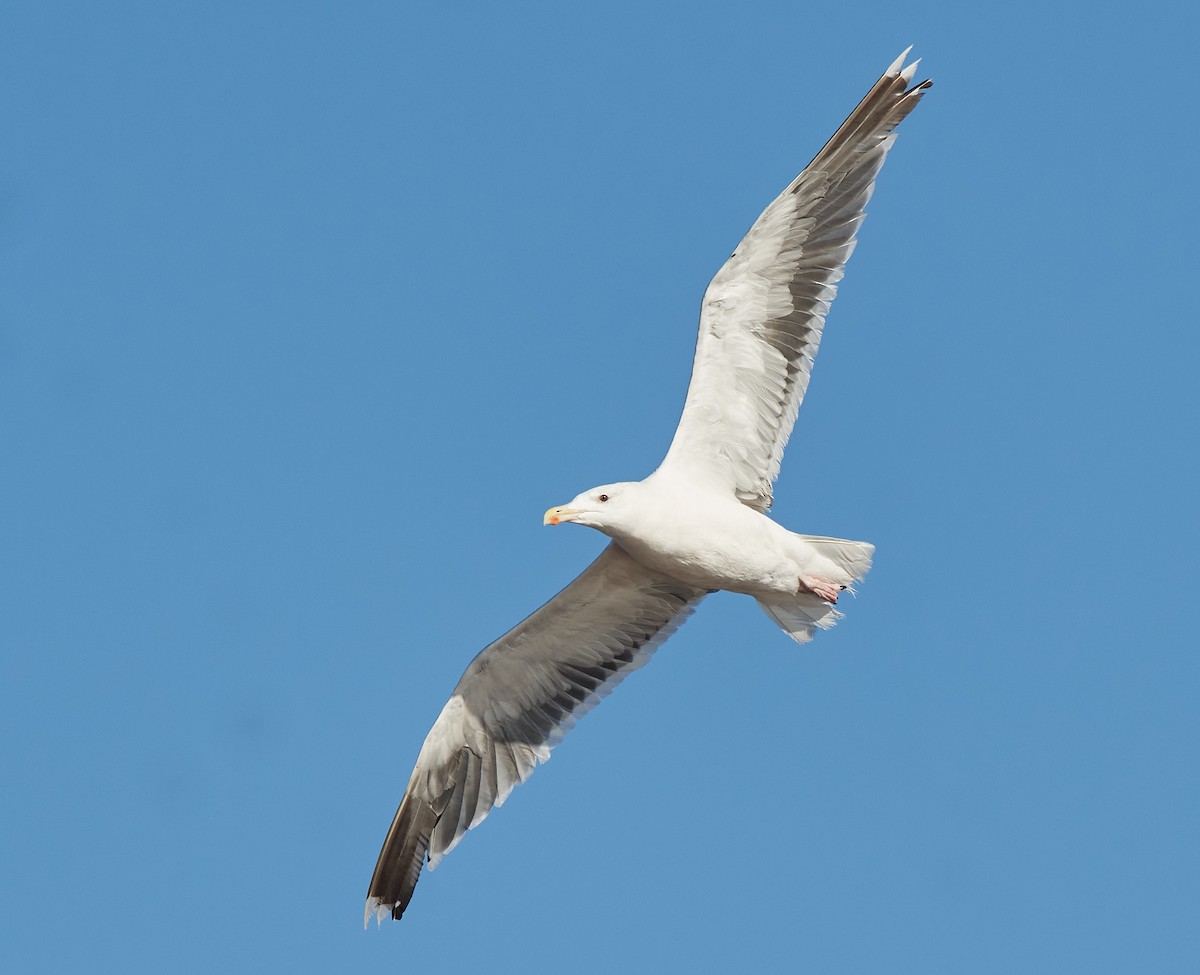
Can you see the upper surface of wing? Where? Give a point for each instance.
(763, 312)
(515, 702)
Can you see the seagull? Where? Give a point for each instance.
(696, 525)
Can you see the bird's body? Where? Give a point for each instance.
(713, 541)
(695, 525)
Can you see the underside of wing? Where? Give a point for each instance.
(515, 702)
(764, 311)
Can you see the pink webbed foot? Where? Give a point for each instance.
(827, 590)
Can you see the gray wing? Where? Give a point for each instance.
(516, 701)
(764, 311)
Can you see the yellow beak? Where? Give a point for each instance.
(562, 513)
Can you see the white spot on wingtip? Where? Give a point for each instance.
(894, 67)
(374, 906)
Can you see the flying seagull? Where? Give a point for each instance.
(696, 525)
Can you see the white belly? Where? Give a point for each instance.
(720, 545)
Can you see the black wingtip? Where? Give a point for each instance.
(401, 859)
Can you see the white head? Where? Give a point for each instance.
(607, 508)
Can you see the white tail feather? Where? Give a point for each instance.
(836, 560)
(802, 615)
(842, 561)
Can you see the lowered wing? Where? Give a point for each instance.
(516, 701)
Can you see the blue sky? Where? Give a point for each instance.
(309, 311)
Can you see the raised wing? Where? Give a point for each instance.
(516, 701)
(763, 313)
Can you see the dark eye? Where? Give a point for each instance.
(604, 497)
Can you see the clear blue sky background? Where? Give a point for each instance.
(308, 311)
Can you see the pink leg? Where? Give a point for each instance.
(821, 587)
